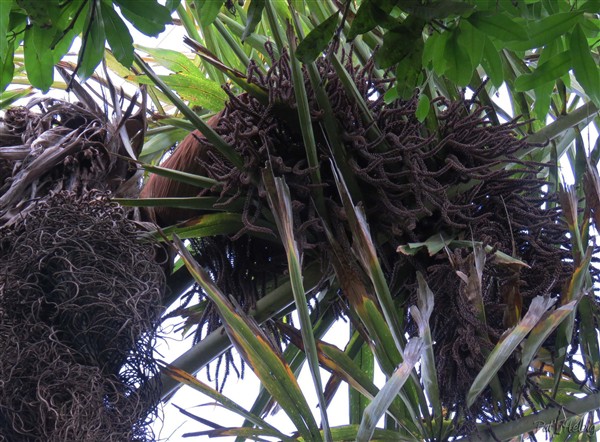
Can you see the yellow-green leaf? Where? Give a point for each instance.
(199, 91)
(172, 60)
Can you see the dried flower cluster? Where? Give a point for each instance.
(80, 300)
(81, 289)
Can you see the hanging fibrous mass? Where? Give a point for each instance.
(81, 284)
(462, 180)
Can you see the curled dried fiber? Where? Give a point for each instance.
(415, 183)
(80, 300)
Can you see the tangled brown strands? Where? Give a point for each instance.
(80, 300)
(463, 181)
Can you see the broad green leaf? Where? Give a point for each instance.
(590, 347)
(390, 390)
(399, 43)
(436, 243)
(492, 63)
(117, 68)
(365, 363)
(543, 92)
(586, 69)
(541, 32)
(368, 16)
(210, 224)
(546, 72)
(172, 5)
(255, 11)
(280, 202)
(92, 48)
(434, 51)
(473, 41)
(458, 62)
(349, 432)
(195, 202)
(187, 379)
(408, 75)
(162, 141)
(67, 13)
(38, 57)
(435, 10)
(592, 6)
(506, 347)
(317, 40)
(422, 315)
(281, 9)
(364, 249)
(208, 10)
(9, 97)
(498, 25)
(64, 44)
(428, 49)
(172, 60)
(306, 127)
(5, 7)
(433, 244)
(252, 344)
(543, 97)
(42, 14)
(536, 338)
(242, 433)
(7, 67)
(149, 17)
(423, 108)
(118, 36)
(183, 177)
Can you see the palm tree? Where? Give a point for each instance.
(356, 162)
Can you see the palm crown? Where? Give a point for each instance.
(355, 161)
